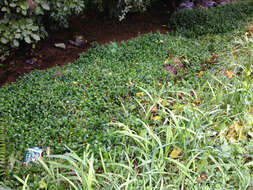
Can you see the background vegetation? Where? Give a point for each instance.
(27, 21)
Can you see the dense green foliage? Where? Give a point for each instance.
(2, 151)
(23, 22)
(71, 105)
(119, 8)
(138, 125)
(216, 20)
(128, 133)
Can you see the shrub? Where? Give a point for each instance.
(119, 8)
(20, 24)
(24, 21)
(61, 10)
(220, 19)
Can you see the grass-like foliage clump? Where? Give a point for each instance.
(2, 151)
(220, 19)
(156, 112)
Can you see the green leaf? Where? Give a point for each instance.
(2, 150)
(16, 43)
(13, 4)
(24, 12)
(17, 36)
(45, 6)
(28, 39)
(24, 5)
(4, 9)
(38, 11)
(4, 40)
(35, 28)
(36, 37)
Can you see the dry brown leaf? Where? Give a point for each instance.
(154, 109)
(203, 176)
(250, 29)
(230, 132)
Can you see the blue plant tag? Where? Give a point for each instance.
(32, 155)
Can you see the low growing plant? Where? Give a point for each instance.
(2, 152)
(159, 111)
(220, 19)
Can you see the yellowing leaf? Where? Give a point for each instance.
(230, 132)
(239, 131)
(229, 74)
(235, 132)
(157, 118)
(130, 84)
(176, 152)
(166, 60)
(200, 74)
(140, 94)
(232, 140)
(159, 84)
(250, 133)
(43, 184)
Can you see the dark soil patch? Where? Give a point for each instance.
(94, 27)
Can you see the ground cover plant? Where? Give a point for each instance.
(157, 112)
(221, 19)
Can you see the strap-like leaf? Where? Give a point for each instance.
(2, 151)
